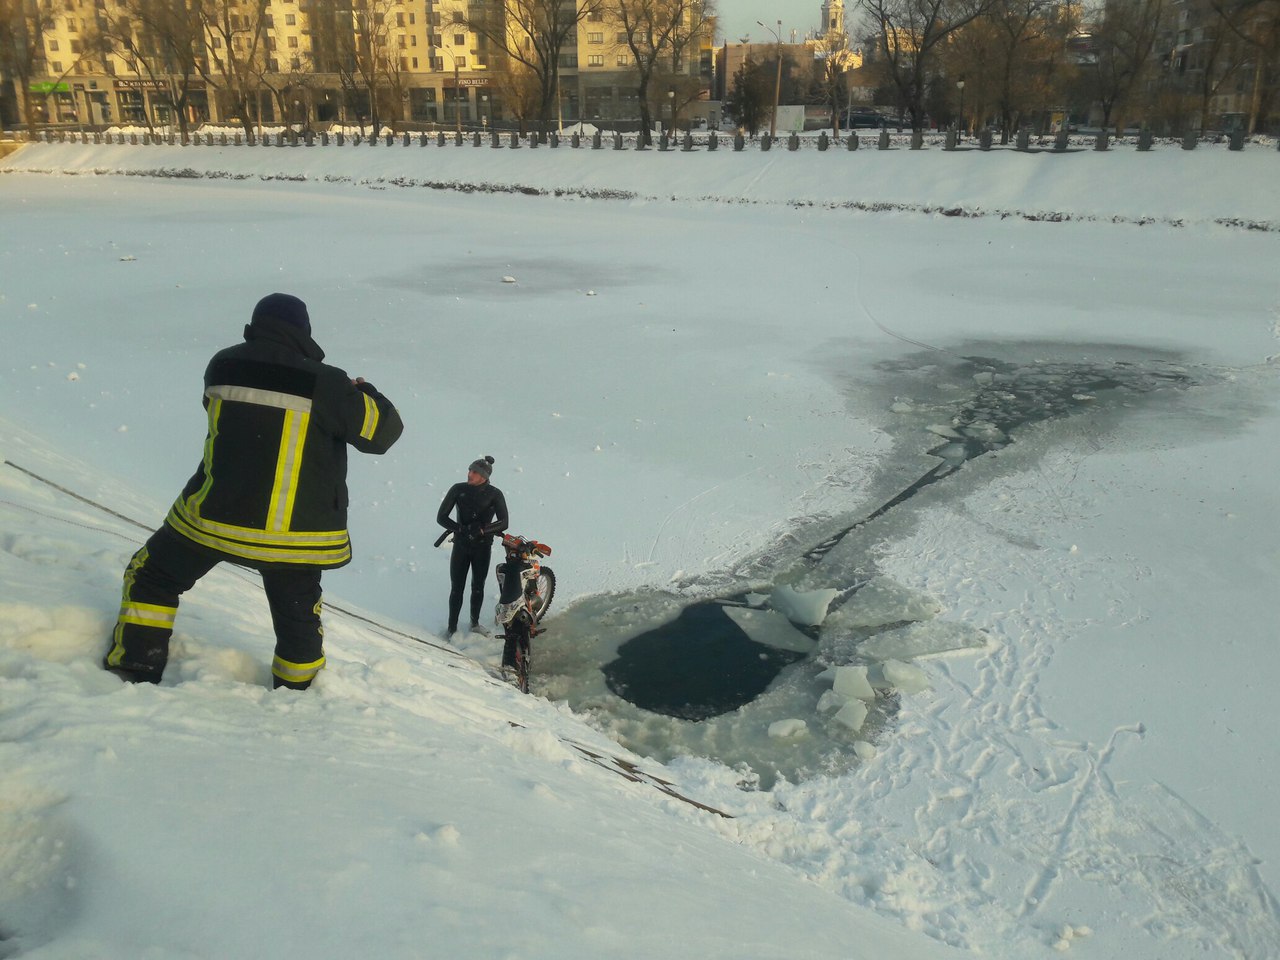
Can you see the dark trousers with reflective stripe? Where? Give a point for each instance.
(168, 566)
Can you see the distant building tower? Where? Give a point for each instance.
(832, 18)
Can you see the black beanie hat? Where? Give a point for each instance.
(284, 307)
(483, 466)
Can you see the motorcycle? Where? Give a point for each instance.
(526, 587)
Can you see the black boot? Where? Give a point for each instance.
(129, 675)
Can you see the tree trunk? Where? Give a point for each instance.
(1255, 102)
(28, 110)
(646, 116)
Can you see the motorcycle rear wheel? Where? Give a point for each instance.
(546, 593)
(516, 653)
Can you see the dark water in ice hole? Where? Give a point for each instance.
(701, 664)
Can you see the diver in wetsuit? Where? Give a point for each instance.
(481, 513)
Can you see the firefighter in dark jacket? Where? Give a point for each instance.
(482, 512)
(271, 494)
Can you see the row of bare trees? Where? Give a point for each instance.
(222, 46)
(1014, 62)
(1152, 61)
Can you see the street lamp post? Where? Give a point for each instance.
(960, 125)
(671, 101)
(457, 101)
(777, 80)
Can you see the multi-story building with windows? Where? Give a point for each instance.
(311, 61)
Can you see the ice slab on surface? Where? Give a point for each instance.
(917, 640)
(852, 683)
(807, 608)
(904, 677)
(830, 701)
(986, 431)
(957, 452)
(882, 601)
(852, 715)
(770, 628)
(787, 729)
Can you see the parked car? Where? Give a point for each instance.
(864, 119)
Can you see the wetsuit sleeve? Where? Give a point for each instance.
(499, 522)
(446, 508)
(373, 423)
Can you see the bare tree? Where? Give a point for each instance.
(352, 40)
(832, 61)
(163, 42)
(1013, 60)
(912, 34)
(236, 34)
(533, 33)
(520, 89)
(659, 35)
(1123, 39)
(1257, 24)
(1221, 57)
(23, 24)
(369, 52)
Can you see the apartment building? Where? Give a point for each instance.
(316, 61)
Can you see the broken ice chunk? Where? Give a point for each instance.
(954, 452)
(830, 701)
(770, 628)
(786, 729)
(807, 608)
(851, 683)
(883, 601)
(904, 677)
(985, 431)
(852, 715)
(917, 640)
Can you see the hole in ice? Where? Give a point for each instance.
(753, 677)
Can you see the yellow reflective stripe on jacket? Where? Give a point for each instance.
(371, 415)
(197, 498)
(255, 536)
(296, 672)
(147, 615)
(293, 437)
(264, 398)
(287, 549)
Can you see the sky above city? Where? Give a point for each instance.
(741, 18)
